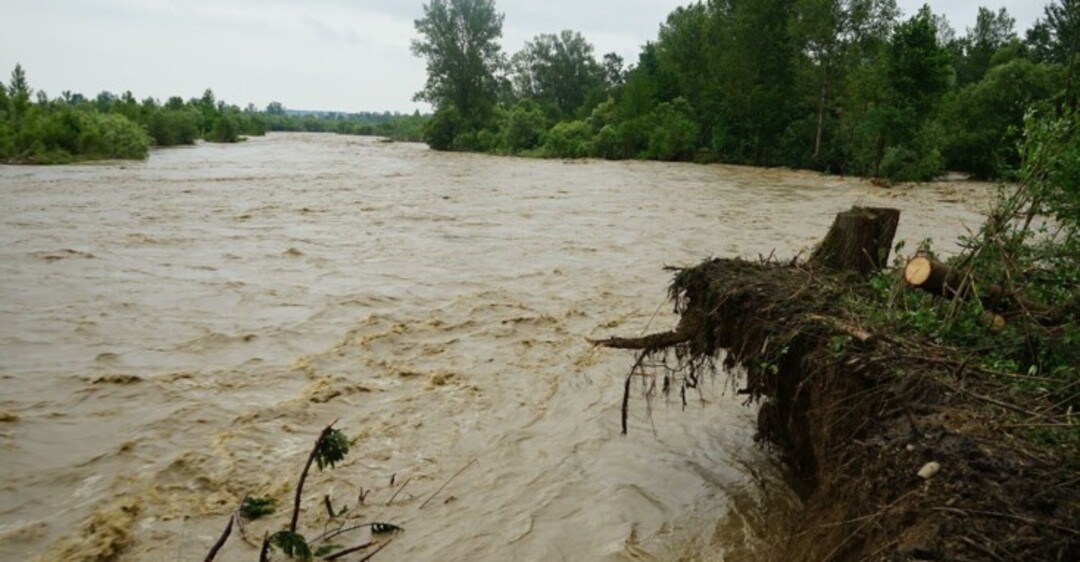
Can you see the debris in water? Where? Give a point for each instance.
(385, 528)
(117, 379)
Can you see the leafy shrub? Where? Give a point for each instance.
(609, 143)
(444, 126)
(568, 140)
(171, 127)
(675, 132)
(225, 129)
(60, 135)
(984, 120)
(524, 127)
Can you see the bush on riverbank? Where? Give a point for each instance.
(63, 134)
(74, 128)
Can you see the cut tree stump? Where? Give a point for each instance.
(859, 240)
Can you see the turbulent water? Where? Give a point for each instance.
(175, 333)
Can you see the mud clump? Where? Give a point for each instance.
(860, 413)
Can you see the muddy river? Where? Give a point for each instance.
(174, 333)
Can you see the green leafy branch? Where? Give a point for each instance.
(329, 449)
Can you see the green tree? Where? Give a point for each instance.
(558, 71)
(226, 128)
(752, 59)
(1062, 31)
(917, 67)
(5, 103)
(682, 55)
(524, 128)
(1056, 37)
(614, 70)
(674, 133)
(19, 90)
(887, 127)
(459, 41)
(984, 120)
(568, 140)
(833, 35)
(992, 32)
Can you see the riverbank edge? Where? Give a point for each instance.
(900, 449)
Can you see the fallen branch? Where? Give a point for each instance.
(303, 477)
(858, 333)
(264, 552)
(399, 490)
(348, 551)
(651, 342)
(221, 540)
(447, 483)
(372, 555)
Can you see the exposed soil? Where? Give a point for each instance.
(861, 414)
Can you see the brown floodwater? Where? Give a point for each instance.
(174, 333)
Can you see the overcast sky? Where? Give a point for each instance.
(348, 55)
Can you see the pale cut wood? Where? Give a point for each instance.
(933, 277)
(917, 271)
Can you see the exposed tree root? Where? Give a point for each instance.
(859, 413)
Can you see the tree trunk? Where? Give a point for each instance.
(859, 240)
(821, 115)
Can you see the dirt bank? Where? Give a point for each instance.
(898, 447)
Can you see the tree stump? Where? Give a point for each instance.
(859, 240)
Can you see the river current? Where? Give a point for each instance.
(175, 333)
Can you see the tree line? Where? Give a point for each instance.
(843, 86)
(37, 129)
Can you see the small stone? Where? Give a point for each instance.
(929, 470)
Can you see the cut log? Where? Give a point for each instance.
(933, 277)
(859, 240)
(939, 279)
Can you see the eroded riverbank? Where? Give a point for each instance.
(176, 331)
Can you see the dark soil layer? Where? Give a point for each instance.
(858, 412)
